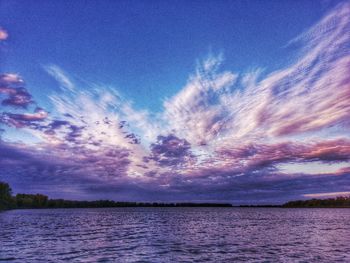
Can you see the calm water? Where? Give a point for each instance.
(175, 235)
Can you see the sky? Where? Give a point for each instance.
(246, 102)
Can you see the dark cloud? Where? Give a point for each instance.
(170, 150)
(122, 124)
(134, 139)
(74, 134)
(17, 97)
(55, 124)
(53, 167)
(103, 173)
(24, 120)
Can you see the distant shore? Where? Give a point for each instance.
(39, 201)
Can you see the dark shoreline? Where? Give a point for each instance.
(39, 201)
(167, 205)
(241, 207)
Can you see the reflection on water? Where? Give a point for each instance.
(175, 235)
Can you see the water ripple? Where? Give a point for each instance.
(175, 235)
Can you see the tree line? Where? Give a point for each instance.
(25, 201)
(340, 201)
(22, 201)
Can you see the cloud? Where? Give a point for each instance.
(23, 120)
(60, 76)
(253, 157)
(14, 96)
(10, 79)
(198, 108)
(3, 34)
(33, 168)
(223, 136)
(170, 150)
(17, 95)
(327, 195)
(309, 95)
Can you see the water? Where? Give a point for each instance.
(175, 235)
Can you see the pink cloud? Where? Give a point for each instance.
(3, 34)
(10, 79)
(23, 120)
(327, 195)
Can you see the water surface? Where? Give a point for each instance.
(175, 235)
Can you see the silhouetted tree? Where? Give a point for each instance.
(6, 200)
(42, 201)
(340, 201)
(31, 201)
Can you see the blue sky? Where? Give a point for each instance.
(246, 101)
(146, 49)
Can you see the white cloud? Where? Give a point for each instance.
(327, 195)
(60, 76)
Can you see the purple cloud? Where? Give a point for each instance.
(227, 134)
(17, 96)
(34, 168)
(170, 150)
(134, 139)
(23, 120)
(3, 34)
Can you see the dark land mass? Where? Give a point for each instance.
(28, 201)
(338, 202)
(266, 206)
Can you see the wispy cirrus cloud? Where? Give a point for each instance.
(309, 95)
(223, 136)
(60, 76)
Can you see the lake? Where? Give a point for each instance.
(175, 235)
